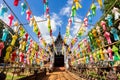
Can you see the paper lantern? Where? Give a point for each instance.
(102, 54)
(102, 40)
(28, 12)
(21, 55)
(16, 2)
(93, 8)
(89, 17)
(98, 41)
(103, 24)
(110, 53)
(22, 31)
(8, 51)
(26, 36)
(32, 21)
(100, 2)
(94, 32)
(23, 7)
(119, 26)
(5, 33)
(16, 24)
(107, 36)
(14, 38)
(115, 33)
(115, 50)
(10, 17)
(13, 56)
(109, 19)
(73, 11)
(1, 47)
(98, 29)
(116, 13)
(3, 10)
(86, 22)
(77, 4)
(105, 52)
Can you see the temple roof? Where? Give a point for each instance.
(59, 38)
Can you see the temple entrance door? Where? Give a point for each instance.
(59, 60)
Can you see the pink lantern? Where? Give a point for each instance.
(103, 24)
(11, 17)
(1, 47)
(110, 53)
(28, 12)
(107, 36)
(86, 22)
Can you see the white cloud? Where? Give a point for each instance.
(55, 22)
(76, 26)
(66, 10)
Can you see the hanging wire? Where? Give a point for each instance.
(16, 17)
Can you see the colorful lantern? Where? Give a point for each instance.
(3, 10)
(102, 55)
(116, 13)
(109, 19)
(13, 56)
(14, 38)
(23, 6)
(98, 41)
(32, 21)
(115, 50)
(105, 52)
(5, 33)
(22, 31)
(10, 17)
(21, 55)
(16, 2)
(110, 53)
(115, 33)
(86, 22)
(93, 8)
(103, 24)
(98, 29)
(16, 24)
(102, 41)
(26, 36)
(1, 47)
(119, 26)
(89, 17)
(107, 36)
(8, 51)
(94, 32)
(28, 12)
(73, 11)
(100, 2)
(77, 4)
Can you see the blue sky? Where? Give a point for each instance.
(59, 12)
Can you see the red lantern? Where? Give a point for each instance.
(11, 17)
(26, 36)
(28, 12)
(1, 47)
(16, 2)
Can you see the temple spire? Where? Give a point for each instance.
(59, 30)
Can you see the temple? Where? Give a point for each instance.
(58, 55)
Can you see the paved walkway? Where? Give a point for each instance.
(61, 74)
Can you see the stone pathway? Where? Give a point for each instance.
(61, 74)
